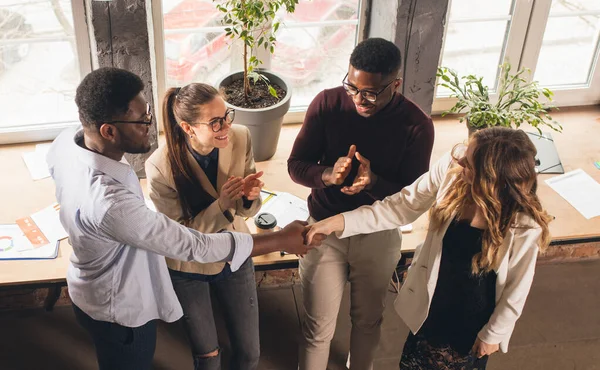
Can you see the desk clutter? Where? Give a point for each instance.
(285, 207)
(33, 237)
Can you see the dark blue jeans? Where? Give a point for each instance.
(120, 347)
(236, 293)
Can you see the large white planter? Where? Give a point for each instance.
(264, 123)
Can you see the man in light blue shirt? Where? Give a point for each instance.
(118, 279)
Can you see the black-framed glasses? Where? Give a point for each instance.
(366, 94)
(216, 124)
(147, 120)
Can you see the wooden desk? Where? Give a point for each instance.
(20, 196)
(577, 145)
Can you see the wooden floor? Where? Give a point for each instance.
(559, 330)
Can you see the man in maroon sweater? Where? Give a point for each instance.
(360, 142)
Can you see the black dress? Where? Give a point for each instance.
(462, 304)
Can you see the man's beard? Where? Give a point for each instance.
(137, 150)
(130, 146)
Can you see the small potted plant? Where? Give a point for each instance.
(518, 100)
(260, 98)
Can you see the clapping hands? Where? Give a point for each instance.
(336, 175)
(364, 178)
(252, 186)
(237, 187)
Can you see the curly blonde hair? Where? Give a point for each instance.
(504, 184)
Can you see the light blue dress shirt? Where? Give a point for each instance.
(117, 272)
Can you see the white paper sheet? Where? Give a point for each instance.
(286, 208)
(48, 220)
(580, 190)
(36, 162)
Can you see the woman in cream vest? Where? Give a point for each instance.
(469, 280)
(205, 178)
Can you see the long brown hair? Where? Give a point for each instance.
(185, 105)
(504, 184)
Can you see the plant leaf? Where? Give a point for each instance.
(273, 92)
(254, 76)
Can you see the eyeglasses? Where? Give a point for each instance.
(216, 124)
(366, 94)
(147, 120)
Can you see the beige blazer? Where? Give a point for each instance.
(514, 273)
(234, 160)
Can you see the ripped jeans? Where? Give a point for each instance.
(236, 293)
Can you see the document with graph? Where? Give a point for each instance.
(14, 245)
(43, 227)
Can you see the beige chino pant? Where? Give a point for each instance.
(367, 262)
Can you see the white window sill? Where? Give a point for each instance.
(32, 133)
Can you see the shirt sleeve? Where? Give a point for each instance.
(131, 222)
(415, 162)
(401, 208)
(308, 149)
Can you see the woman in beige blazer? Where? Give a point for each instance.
(205, 178)
(468, 281)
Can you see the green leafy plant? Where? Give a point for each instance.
(518, 100)
(251, 22)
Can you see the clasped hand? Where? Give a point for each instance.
(237, 187)
(295, 239)
(341, 169)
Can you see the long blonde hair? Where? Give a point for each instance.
(504, 184)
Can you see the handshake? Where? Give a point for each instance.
(299, 237)
(294, 239)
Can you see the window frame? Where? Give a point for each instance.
(295, 114)
(523, 48)
(513, 45)
(573, 95)
(49, 130)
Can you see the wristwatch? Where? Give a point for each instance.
(228, 215)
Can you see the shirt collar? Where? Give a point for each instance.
(204, 160)
(120, 171)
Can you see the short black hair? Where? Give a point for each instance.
(376, 55)
(106, 93)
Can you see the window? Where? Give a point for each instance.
(569, 44)
(313, 45)
(196, 47)
(564, 49)
(40, 67)
(476, 38)
(558, 40)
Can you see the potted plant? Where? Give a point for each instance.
(260, 98)
(518, 100)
